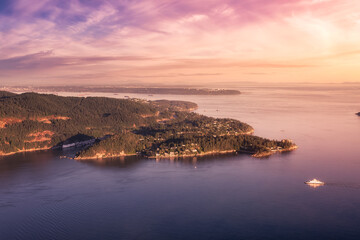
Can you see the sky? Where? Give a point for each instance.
(174, 42)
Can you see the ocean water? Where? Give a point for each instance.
(220, 197)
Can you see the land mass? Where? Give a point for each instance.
(107, 127)
(118, 89)
(358, 114)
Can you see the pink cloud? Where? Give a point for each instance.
(103, 37)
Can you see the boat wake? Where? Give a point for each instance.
(344, 185)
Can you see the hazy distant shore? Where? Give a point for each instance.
(118, 89)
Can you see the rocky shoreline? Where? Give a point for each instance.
(101, 156)
(267, 154)
(24, 150)
(256, 155)
(122, 154)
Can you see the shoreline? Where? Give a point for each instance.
(267, 154)
(195, 154)
(104, 157)
(158, 157)
(25, 150)
(255, 155)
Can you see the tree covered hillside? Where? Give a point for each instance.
(32, 121)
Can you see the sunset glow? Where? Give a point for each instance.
(173, 42)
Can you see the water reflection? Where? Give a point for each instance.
(118, 162)
(39, 160)
(312, 185)
(344, 185)
(131, 161)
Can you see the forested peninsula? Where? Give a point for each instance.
(107, 127)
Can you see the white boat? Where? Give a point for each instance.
(315, 182)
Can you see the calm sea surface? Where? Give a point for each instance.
(222, 197)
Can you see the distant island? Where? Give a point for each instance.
(107, 127)
(136, 90)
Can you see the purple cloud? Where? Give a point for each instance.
(142, 14)
(47, 60)
(154, 35)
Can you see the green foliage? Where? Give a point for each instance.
(174, 105)
(122, 126)
(187, 134)
(127, 143)
(4, 94)
(95, 117)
